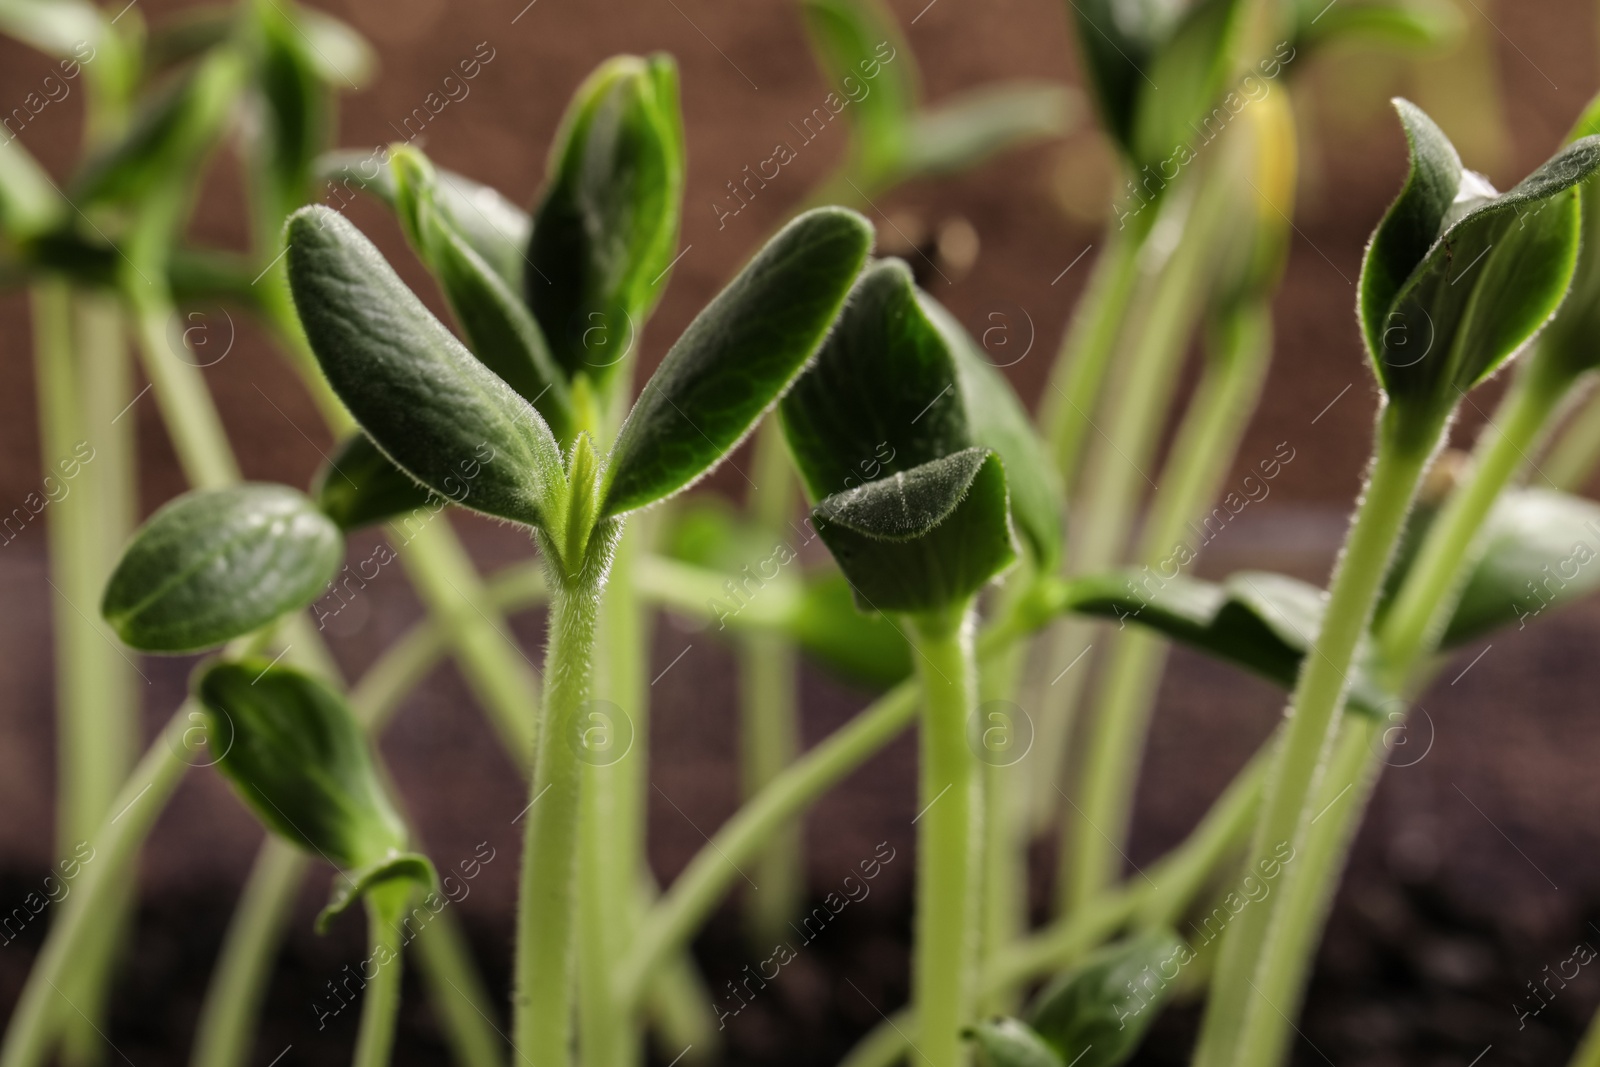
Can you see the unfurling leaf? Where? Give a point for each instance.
(899, 384)
(492, 226)
(1007, 1042)
(922, 540)
(1096, 1014)
(605, 232)
(360, 486)
(1458, 276)
(499, 327)
(736, 358)
(301, 763)
(432, 407)
(216, 564)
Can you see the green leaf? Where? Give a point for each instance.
(997, 421)
(216, 564)
(1458, 277)
(340, 55)
(410, 867)
(970, 128)
(29, 203)
(55, 27)
(500, 330)
(865, 59)
(168, 134)
(1185, 77)
(1575, 330)
(605, 232)
(898, 384)
(1413, 24)
(1118, 40)
(433, 408)
(297, 112)
(736, 358)
(1096, 1014)
(882, 396)
(184, 36)
(923, 540)
(1259, 621)
(298, 759)
(1006, 1042)
(360, 486)
(492, 226)
(1541, 550)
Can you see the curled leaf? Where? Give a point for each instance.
(216, 564)
(922, 540)
(1007, 1042)
(1098, 1013)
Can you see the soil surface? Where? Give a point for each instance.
(1478, 866)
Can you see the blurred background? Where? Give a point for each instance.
(1479, 864)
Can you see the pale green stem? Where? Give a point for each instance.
(769, 728)
(691, 898)
(116, 844)
(547, 904)
(1575, 454)
(1200, 458)
(1174, 884)
(380, 998)
(1116, 480)
(238, 984)
(82, 378)
(494, 666)
(1397, 468)
(1406, 638)
(945, 935)
(180, 391)
(457, 992)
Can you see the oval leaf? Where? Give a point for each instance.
(360, 486)
(216, 564)
(433, 408)
(922, 540)
(1009, 1042)
(297, 757)
(604, 234)
(1096, 1014)
(499, 328)
(736, 358)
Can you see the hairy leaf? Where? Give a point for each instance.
(1574, 333)
(736, 358)
(1096, 1014)
(1256, 620)
(922, 540)
(997, 421)
(360, 486)
(296, 756)
(865, 58)
(1007, 1042)
(439, 413)
(604, 233)
(499, 327)
(216, 564)
(492, 226)
(882, 396)
(1458, 277)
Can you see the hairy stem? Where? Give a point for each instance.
(1398, 464)
(946, 928)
